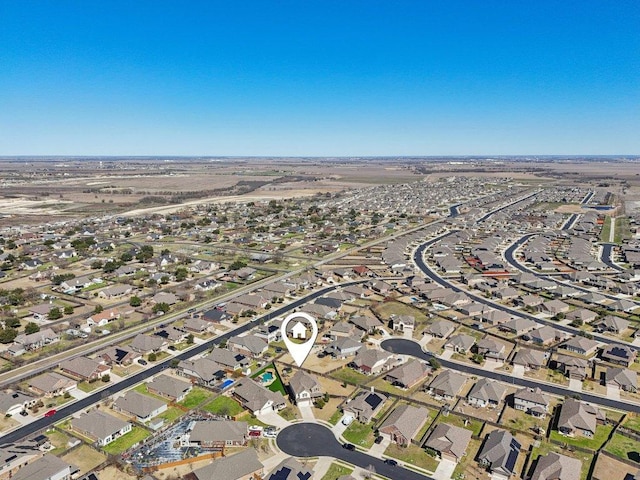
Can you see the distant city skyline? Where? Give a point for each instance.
(357, 78)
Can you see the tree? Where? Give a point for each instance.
(190, 339)
(152, 357)
(8, 335)
(434, 363)
(97, 264)
(106, 378)
(110, 267)
(237, 265)
(135, 301)
(98, 309)
(160, 307)
(31, 328)
(126, 257)
(477, 358)
(11, 322)
(145, 253)
(55, 313)
(164, 279)
(181, 274)
(68, 310)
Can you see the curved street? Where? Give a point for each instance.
(315, 440)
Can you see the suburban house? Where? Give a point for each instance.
(143, 407)
(367, 324)
(305, 388)
(518, 326)
(241, 466)
(51, 384)
(582, 316)
(202, 371)
(532, 401)
(365, 405)
(572, 367)
(269, 333)
(115, 291)
(486, 393)
(579, 418)
(404, 423)
(145, 344)
(216, 315)
(372, 361)
(403, 323)
(530, 359)
(449, 442)
(619, 354)
(581, 345)
(168, 387)
(447, 384)
(249, 345)
(499, 454)
(36, 340)
(291, 469)
(343, 348)
(216, 435)
(48, 467)
(84, 368)
(554, 466)
(256, 398)
(612, 324)
(197, 325)
(118, 355)
(100, 427)
(103, 318)
(228, 359)
(555, 307)
(408, 374)
(545, 335)
(441, 328)
(622, 378)
(12, 403)
(461, 343)
(344, 329)
(491, 348)
(41, 311)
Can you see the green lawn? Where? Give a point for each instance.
(412, 455)
(602, 433)
(171, 415)
(632, 423)
(458, 421)
(606, 229)
(196, 397)
(621, 446)
(90, 387)
(336, 471)
(335, 418)
(359, 434)
(125, 442)
(350, 376)
(223, 405)
(275, 386)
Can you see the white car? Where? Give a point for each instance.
(270, 434)
(347, 420)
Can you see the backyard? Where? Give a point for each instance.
(125, 442)
(196, 397)
(223, 405)
(602, 433)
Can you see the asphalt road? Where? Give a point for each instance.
(314, 440)
(409, 347)
(607, 257)
(420, 263)
(492, 212)
(45, 422)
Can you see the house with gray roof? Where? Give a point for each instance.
(582, 315)
(84, 368)
(48, 467)
(622, 378)
(343, 348)
(366, 323)
(365, 405)
(305, 388)
(256, 398)
(145, 344)
(545, 335)
(581, 345)
(489, 347)
(518, 326)
(372, 361)
(228, 359)
(408, 374)
(447, 384)
(12, 403)
(241, 466)
(612, 324)
(441, 328)
(449, 442)
(203, 371)
(143, 407)
(460, 343)
(579, 418)
(486, 393)
(499, 454)
(572, 367)
(554, 466)
(530, 359)
(169, 387)
(100, 426)
(404, 423)
(290, 469)
(216, 434)
(248, 345)
(532, 401)
(619, 354)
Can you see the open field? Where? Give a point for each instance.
(85, 458)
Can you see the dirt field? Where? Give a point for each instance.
(606, 467)
(85, 458)
(112, 473)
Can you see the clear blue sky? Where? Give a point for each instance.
(319, 77)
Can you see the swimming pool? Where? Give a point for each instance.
(227, 383)
(267, 377)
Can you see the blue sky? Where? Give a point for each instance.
(319, 77)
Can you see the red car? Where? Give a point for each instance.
(50, 413)
(254, 433)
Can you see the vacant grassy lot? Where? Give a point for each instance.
(632, 422)
(349, 375)
(336, 471)
(90, 387)
(223, 405)
(359, 434)
(412, 455)
(85, 458)
(385, 309)
(196, 397)
(125, 442)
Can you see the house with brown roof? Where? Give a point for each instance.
(449, 442)
(365, 405)
(532, 401)
(530, 359)
(84, 368)
(408, 374)
(579, 418)
(404, 423)
(572, 367)
(305, 388)
(372, 361)
(52, 384)
(554, 466)
(169, 387)
(622, 378)
(447, 384)
(619, 354)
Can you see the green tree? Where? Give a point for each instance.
(160, 307)
(145, 253)
(68, 310)
(106, 378)
(181, 274)
(12, 322)
(190, 339)
(97, 264)
(8, 335)
(55, 313)
(110, 267)
(135, 301)
(98, 309)
(126, 257)
(434, 363)
(152, 357)
(237, 265)
(31, 327)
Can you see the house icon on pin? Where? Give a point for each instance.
(299, 331)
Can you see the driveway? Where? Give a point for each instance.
(490, 364)
(378, 449)
(307, 413)
(575, 385)
(445, 470)
(447, 354)
(613, 392)
(272, 418)
(518, 371)
(339, 428)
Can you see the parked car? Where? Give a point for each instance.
(390, 462)
(142, 361)
(349, 446)
(378, 439)
(347, 420)
(172, 348)
(50, 413)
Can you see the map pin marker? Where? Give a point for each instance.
(302, 322)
